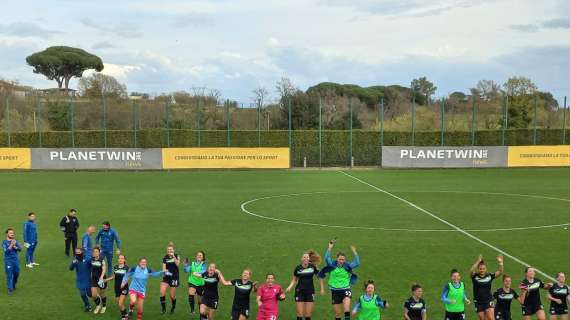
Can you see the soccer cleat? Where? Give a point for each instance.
(35, 264)
(88, 308)
(29, 265)
(103, 309)
(97, 309)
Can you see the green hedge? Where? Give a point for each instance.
(334, 151)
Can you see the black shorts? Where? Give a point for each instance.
(239, 311)
(454, 315)
(95, 284)
(558, 310)
(173, 282)
(210, 302)
(304, 296)
(339, 295)
(482, 306)
(502, 315)
(529, 310)
(199, 289)
(121, 291)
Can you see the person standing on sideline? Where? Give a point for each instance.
(30, 239)
(87, 242)
(82, 267)
(69, 225)
(454, 297)
(107, 237)
(11, 248)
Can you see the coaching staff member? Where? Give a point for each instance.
(69, 225)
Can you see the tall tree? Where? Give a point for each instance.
(518, 86)
(424, 87)
(260, 97)
(63, 63)
(488, 90)
(99, 84)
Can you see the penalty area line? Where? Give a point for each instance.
(451, 225)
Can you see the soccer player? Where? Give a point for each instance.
(98, 283)
(341, 277)
(369, 304)
(82, 267)
(69, 225)
(209, 302)
(107, 237)
(87, 242)
(268, 297)
(195, 281)
(530, 295)
(415, 306)
(11, 247)
(559, 298)
(243, 288)
(30, 239)
(482, 283)
(504, 296)
(303, 282)
(171, 278)
(137, 290)
(119, 272)
(454, 297)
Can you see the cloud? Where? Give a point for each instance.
(26, 29)
(193, 19)
(102, 45)
(525, 27)
(563, 23)
(416, 8)
(122, 30)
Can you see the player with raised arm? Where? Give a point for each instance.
(504, 296)
(137, 289)
(415, 307)
(98, 281)
(30, 239)
(82, 267)
(369, 304)
(171, 279)
(559, 298)
(304, 286)
(341, 277)
(530, 295)
(11, 247)
(209, 302)
(195, 281)
(242, 293)
(482, 287)
(106, 238)
(268, 296)
(119, 272)
(454, 297)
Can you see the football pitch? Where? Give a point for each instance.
(409, 226)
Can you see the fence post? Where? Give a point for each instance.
(473, 122)
(350, 108)
(320, 132)
(198, 124)
(39, 107)
(134, 112)
(505, 120)
(8, 122)
(564, 123)
(104, 120)
(167, 123)
(535, 124)
(259, 125)
(442, 125)
(413, 119)
(382, 122)
(290, 125)
(72, 116)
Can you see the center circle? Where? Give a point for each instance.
(438, 227)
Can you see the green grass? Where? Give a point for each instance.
(201, 210)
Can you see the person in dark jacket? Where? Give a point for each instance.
(69, 225)
(30, 239)
(82, 267)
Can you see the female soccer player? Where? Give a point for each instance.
(415, 306)
(171, 278)
(482, 282)
(82, 267)
(454, 297)
(504, 296)
(98, 283)
(530, 295)
(137, 290)
(559, 298)
(11, 247)
(195, 281)
(119, 272)
(268, 297)
(304, 286)
(209, 302)
(243, 288)
(369, 304)
(340, 279)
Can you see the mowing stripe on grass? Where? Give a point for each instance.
(451, 225)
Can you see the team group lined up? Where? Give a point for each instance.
(92, 263)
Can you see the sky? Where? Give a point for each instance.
(235, 46)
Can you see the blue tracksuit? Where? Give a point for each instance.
(87, 245)
(82, 278)
(11, 263)
(107, 239)
(30, 237)
(140, 278)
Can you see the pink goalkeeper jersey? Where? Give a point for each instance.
(270, 306)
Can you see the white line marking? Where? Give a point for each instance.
(504, 253)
